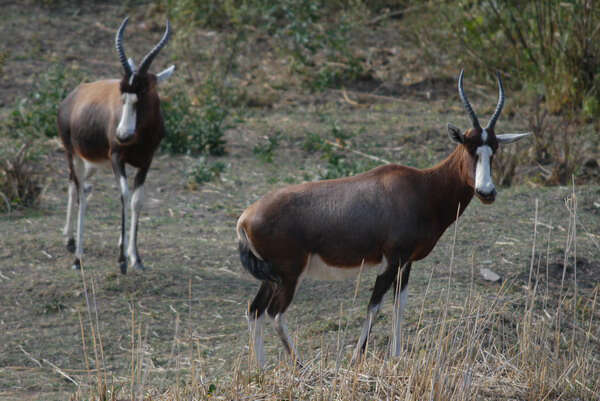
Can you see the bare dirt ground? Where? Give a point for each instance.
(190, 304)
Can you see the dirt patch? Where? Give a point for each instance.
(190, 305)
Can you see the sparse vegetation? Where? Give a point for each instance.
(20, 179)
(551, 46)
(203, 171)
(266, 150)
(550, 50)
(35, 116)
(178, 331)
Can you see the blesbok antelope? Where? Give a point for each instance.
(387, 217)
(113, 122)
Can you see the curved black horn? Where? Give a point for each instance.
(119, 46)
(465, 101)
(150, 56)
(498, 110)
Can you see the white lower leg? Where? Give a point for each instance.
(80, 219)
(371, 315)
(256, 329)
(137, 201)
(282, 330)
(123, 239)
(399, 305)
(68, 230)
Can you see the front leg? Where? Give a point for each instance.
(400, 299)
(382, 285)
(137, 201)
(119, 171)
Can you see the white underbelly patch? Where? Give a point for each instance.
(316, 268)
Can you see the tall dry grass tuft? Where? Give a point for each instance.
(523, 342)
(20, 179)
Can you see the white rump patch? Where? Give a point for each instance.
(241, 234)
(316, 268)
(483, 177)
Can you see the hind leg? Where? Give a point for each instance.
(68, 230)
(256, 321)
(282, 298)
(80, 174)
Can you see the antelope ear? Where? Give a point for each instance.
(132, 64)
(455, 134)
(165, 74)
(509, 138)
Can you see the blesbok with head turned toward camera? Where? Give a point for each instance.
(388, 217)
(113, 122)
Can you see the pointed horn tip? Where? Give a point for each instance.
(124, 23)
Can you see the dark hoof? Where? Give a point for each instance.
(76, 265)
(71, 245)
(123, 267)
(139, 266)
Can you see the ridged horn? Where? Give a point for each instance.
(119, 46)
(498, 110)
(145, 64)
(466, 103)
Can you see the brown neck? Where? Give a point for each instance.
(452, 189)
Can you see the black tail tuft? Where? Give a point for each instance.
(260, 269)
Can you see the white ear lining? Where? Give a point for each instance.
(509, 138)
(165, 74)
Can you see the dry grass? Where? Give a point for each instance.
(528, 343)
(20, 182)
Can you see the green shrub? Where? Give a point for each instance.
(265, 151)
(194, 129)
(312, 142)
(202, 171)
(35, 116)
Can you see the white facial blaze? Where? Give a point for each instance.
(483, 177)
(126, 127)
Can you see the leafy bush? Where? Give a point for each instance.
(266, 151)
(202, 171)
(312, 142)
(194, 129)
(35, 116)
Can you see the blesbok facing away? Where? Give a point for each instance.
(387, 217)
(113, 122)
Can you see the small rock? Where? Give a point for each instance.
(489, 275)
